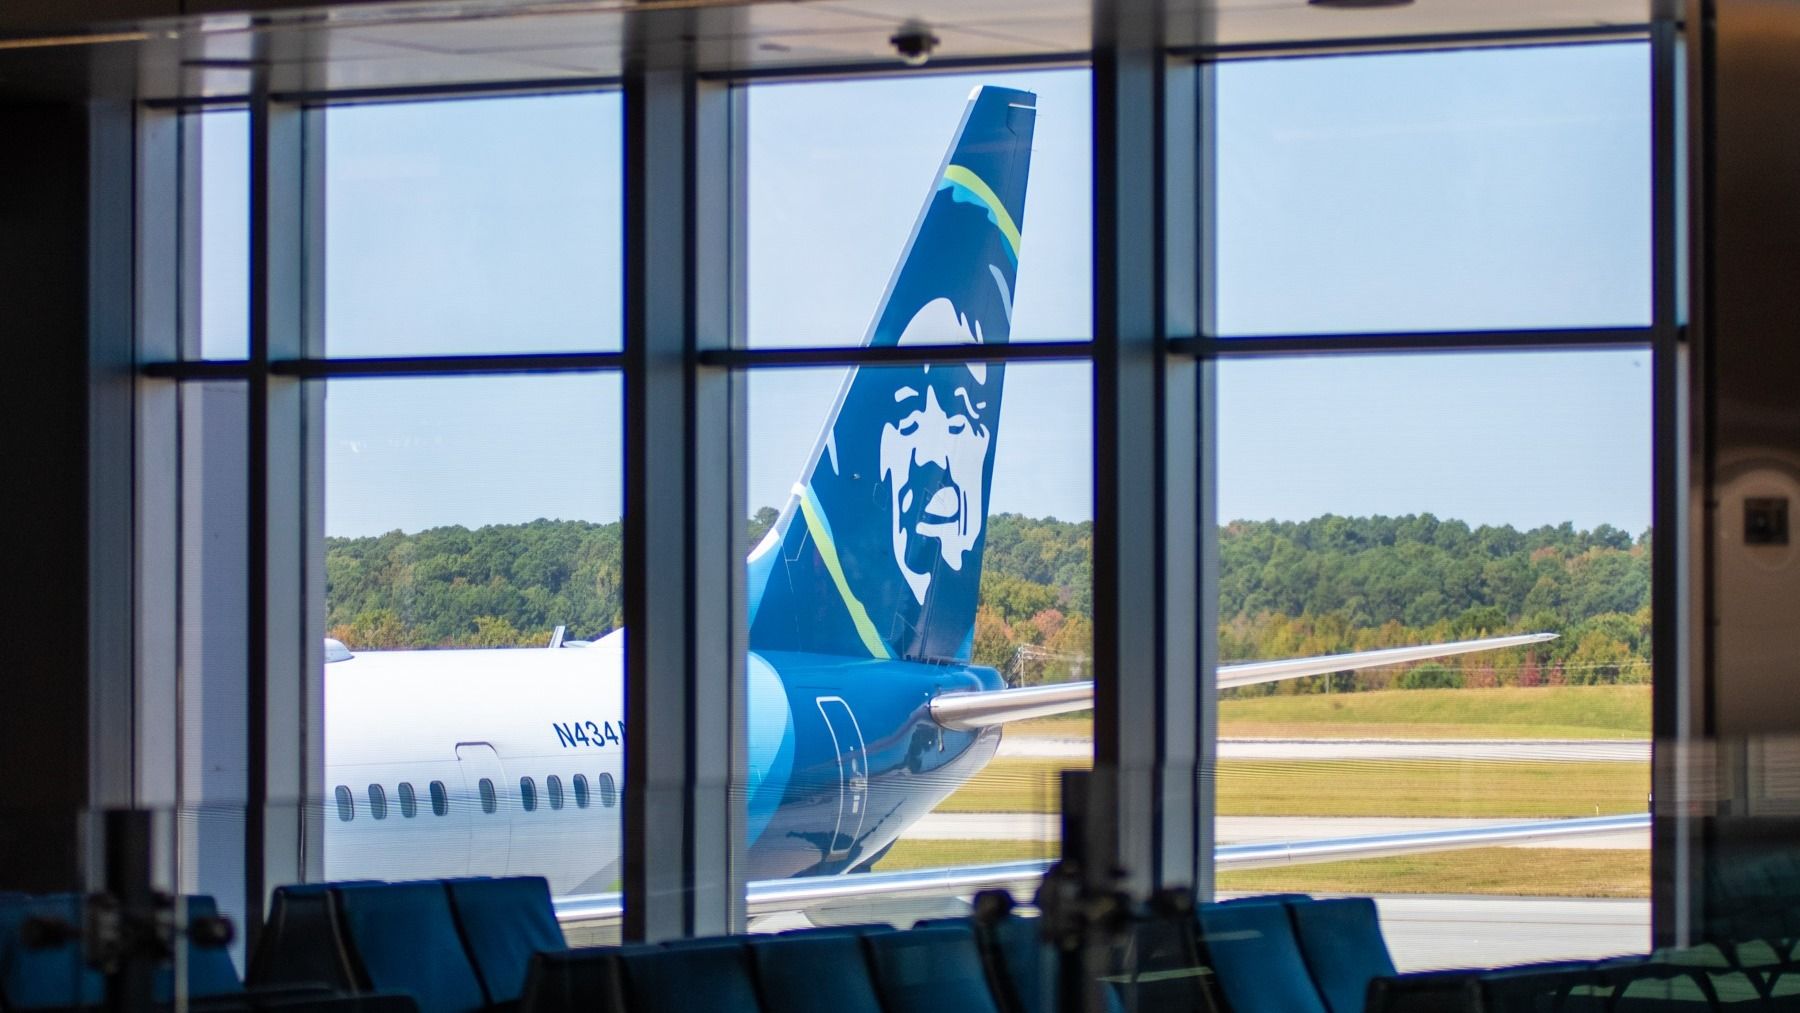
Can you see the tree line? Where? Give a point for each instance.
(1286, 588)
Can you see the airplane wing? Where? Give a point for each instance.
(969, 711)
(782, 895)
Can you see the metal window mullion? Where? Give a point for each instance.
(1190, 535)
(718, 469)
(683, 645)
(1144, 755)
(1675, 894)
(167, 177)
(283, 660)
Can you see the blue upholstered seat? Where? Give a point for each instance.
(210, 971)
(710, 974)
(403, 938)
(1342, 944)
(1025, 965)
(1549, 988)
(1257, 961)
(930, 970)
(1162, 969)
(49, 976)
(302, 941)
(574, 981)
(505, 922)
(821, 973)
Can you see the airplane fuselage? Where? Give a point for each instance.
(509, 761)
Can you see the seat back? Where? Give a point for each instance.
(1022, 966)
(41, 977)
(930, 970)
(402, 938)
(1256, 960)
(303, 942)
(711, 974)
(1160, 967)
(1343, 948)
(574, 981)
(1542, 988)
(504, 922)
(1269, 898)
(821, 973)
(210, 971)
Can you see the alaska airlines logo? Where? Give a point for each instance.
(934, 451)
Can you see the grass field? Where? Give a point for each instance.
(1551, 712)
(1532, 872)
(1497, 789)
(1502, 871)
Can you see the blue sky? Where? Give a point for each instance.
(1476, 189)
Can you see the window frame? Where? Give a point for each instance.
(1174, 361)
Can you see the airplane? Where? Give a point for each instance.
(864, 710)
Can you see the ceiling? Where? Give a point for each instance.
(357, 48)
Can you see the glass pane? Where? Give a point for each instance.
(223, 294)
(836, 175)
(473, 226)
(929, 546)
(1501, 188)
(466, 520)
(1378, 501)
(213, 786)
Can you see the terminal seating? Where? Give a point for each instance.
(962, 966)
(49, 973)
(454, 946)
(463, 946)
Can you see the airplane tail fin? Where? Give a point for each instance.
(878, 551)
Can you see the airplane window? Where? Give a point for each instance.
(606, 790)
(581, 791)
(377, 802)
(528, 794)
(409, 802)
(553, 788)
(489, 801)
(440, 799)
(346, 804)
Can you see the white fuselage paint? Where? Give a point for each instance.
(394, 717)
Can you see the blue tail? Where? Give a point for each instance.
(878, 552)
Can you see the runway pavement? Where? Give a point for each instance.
(1240, 829)
(1626, 751)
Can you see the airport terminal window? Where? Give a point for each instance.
(466, 518)
(1369, 502)
(223, 282)
(482, 225)
(1427, 191)
(469, 517)
(835, 175)
(968, 486)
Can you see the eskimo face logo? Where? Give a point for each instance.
(934, 450)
